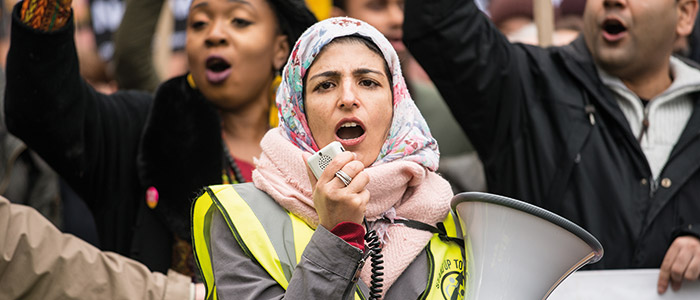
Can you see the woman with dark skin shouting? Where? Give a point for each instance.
(138, 159)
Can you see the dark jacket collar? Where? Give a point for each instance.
(580, 64)
(181, 151)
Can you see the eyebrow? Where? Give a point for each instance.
(363, 71)
(326, 74)
(356, 72)
(200, 4)
(242, 2)
(207, 3)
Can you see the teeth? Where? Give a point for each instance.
(349, 124)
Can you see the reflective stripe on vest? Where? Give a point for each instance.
(262, 229)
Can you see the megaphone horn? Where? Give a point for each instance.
(516, 250)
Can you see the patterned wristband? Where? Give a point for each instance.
(45, 15)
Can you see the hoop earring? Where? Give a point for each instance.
(273, 116)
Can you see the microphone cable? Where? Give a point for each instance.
(374, 250)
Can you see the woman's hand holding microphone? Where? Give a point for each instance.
(336, 201)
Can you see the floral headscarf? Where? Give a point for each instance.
(409, 137)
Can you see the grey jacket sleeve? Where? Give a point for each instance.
(39, 262)
(324, 272)
(133, 56)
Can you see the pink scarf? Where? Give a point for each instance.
(406, 186)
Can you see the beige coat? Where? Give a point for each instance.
(37, 261)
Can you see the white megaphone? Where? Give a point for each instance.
(516, 250)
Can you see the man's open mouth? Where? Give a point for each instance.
(613, 30)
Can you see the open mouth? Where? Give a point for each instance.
(217, 64)
(350, 131)
(613, 30)
(217, 69)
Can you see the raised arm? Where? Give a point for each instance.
(478, 72)
(133, 56)
(87, 137)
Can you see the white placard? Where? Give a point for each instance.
(637, 284)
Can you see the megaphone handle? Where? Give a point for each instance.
(374, 250)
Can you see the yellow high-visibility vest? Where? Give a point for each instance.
(276, 239)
